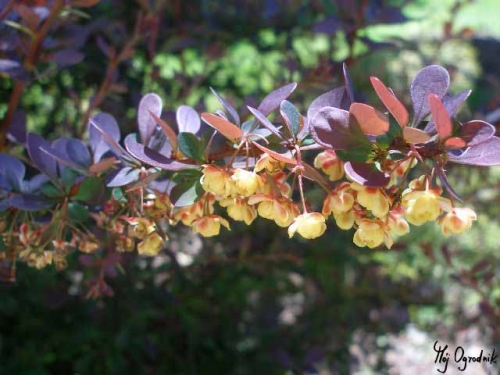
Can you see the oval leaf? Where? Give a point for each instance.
(188, 119)
(476, 132)
(273, 100)
(484, 154)
(12, 170)
(440, 117)
(414, 135)
(265, 122)
(190, 146)
(42, 161)
(226, 128)
(150, 103)
(332, 98)
(151, 157)
(454, 143)
(107, 124)
(369, 119)
(393, 105)
(233, 115)
(452, 104)
(291, 117)
(433, 79)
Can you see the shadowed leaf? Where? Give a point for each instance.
(291, 117)
(108, 124)
(122, 177)
(275, 155)
(155, 159)
(476, 132)
(43, 162)
(366, 174)
(28, 202)
(12, 170)
(265, 122)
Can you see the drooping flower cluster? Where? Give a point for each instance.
(115, 199)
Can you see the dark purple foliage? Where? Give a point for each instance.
(484, 154)
(476, 132)
(104, 135)
(122, 177)
(432, 79)
(44, 162)
(366, 174)
(331, 127)
(333, 98)
(151, 157)
(451, 104)
(273, 100)
(264, 121)
(67, 57)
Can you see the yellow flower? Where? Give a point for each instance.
(457, 221)
(369, 233)
(239, 210)
(87, 246)
(344, 220)
(151, 245)
(141, 227)
(215, 180)
(421, 206)
(268, 163)
(372, 199)
(339, 200)
(292, 211)
(209, 226)
(397, 225)
(188, 214)
(330, 164)
(309, 225)
(245, 182)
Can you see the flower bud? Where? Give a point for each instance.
(309, 225)
(457, 221)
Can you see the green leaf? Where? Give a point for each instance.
(186, 193)
(291, 116)
(117, 193)
(187, 175)
(190, 146)
(90, 191)
(394, 131)
(77, 212)
(68, 178)
(51, 191)
(360, 154)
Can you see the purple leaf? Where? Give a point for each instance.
(33, 185)
(108, 124)
(476, 132)
(188, 119)
(484, 154)
(17, 128)
(264, 121)
(67, 57)
(366, 174)
(78, 152)
(13, 69)
(444, 180)
(332, 98)
(12, 170)
(451, 104)
(331, 128)
(123, 177)
(432, 79)
(149, 103)
(151, 157)
(348, 84)
(29, 202)
(45, 163)
(274, 99)
(228, 107)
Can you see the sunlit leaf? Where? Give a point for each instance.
(366, 174)
(150, 103)
(393, 105)
(273, 100)
(440, 117)
(226, 128)
(369, 119)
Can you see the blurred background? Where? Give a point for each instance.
(251, 300)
